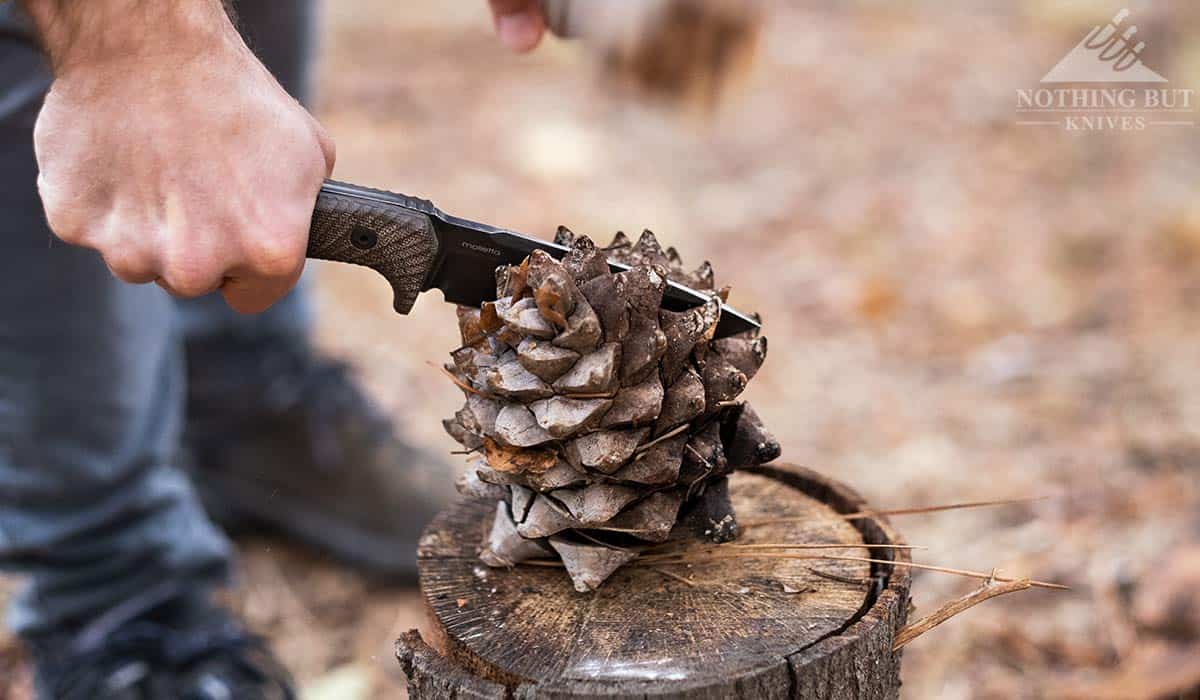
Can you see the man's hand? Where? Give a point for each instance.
(519, 23)
(167, 146)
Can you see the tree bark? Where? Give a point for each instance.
(769, 627)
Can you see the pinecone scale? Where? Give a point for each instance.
(598, 421)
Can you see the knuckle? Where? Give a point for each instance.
(189, 278)
(62, 218)
(276, 255)
(131, 265)
(66, 227)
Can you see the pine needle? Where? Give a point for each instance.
(718, 556)
(699, 456)
(704, 557)
(825, 545)
(784, 547)
(708, 470)
(837, 577)
(990, 589)
(665, 436)
(671, 575)
(936, 509)
(947, 570)
(673, 559)
(862, 514)
(457, 382)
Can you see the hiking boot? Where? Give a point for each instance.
(280, 437)
(166, 644)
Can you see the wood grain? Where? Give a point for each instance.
(770, 628)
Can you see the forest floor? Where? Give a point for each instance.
(959, 307)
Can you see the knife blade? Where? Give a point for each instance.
(417, 247)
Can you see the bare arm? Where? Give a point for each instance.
(165, 145)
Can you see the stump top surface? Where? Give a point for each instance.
(529, 624)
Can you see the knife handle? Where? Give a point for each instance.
(389, 233)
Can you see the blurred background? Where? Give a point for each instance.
(959, 307)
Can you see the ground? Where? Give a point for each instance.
(959, 307)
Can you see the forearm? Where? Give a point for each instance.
(96, 31)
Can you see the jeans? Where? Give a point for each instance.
(93, 508)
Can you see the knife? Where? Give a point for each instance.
(418, 247)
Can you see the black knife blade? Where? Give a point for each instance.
(418, 247)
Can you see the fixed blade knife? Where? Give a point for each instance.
(417, 247)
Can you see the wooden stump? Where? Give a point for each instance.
(758, 628)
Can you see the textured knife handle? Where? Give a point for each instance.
(396, 241)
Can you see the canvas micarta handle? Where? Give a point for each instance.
(389, 233)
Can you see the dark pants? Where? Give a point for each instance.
(93, 508)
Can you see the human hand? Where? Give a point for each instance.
(165, 145)
(519, 23)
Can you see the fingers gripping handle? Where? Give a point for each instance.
(365, 227)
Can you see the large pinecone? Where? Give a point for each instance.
(598, 420)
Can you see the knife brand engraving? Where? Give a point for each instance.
(486, 250)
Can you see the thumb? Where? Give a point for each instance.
(519, 23)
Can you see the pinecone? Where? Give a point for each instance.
(597, 420)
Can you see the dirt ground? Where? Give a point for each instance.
(959, 307)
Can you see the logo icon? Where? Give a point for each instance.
(1107, 54)
(1102, 85)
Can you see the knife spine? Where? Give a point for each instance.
(384, 197)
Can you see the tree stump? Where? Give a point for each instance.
(770, 627)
